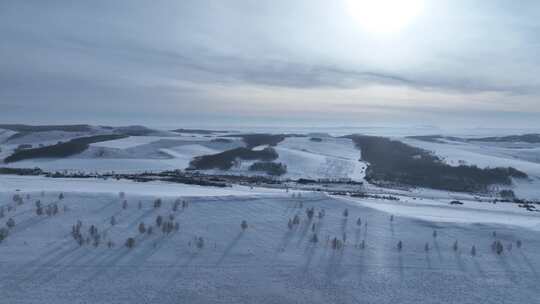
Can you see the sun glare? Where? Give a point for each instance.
(384, 16)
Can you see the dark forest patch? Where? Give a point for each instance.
(270, 168)
(396, 162)
(72, 147)
(226, 160)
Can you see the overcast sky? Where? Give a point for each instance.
(473, 63)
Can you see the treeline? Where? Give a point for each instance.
(59, 150)
(396, 162)
(44, 128)
(226, 160)
(270, 168)
(254, 140)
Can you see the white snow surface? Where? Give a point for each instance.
(40, 262)
(331, 158)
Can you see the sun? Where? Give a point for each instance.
(384, 16)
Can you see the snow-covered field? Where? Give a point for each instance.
(330, 158)
(40, 262)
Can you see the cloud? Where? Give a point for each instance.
(252, 58)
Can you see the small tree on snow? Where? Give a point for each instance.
(346, 212)
(434, 233)
(10, 223)
(244, 225)
(199, 243)
(473, 250)
(140, 205)
(142, 228)
(113, 220)
(124, 204)
(159, 220)
(400, 245)
(61, 196)
(130, 242)
(359, 222)
(455, 246)
(3, 234)
(314, 238)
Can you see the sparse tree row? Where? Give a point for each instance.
(166, 225)
(308, 220)
(19, 199)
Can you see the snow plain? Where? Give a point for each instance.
(267, 263)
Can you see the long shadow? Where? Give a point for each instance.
(104, 207)
(334, 265)
(459, 261)
(310, 253)
(507, 269)
(230, 247)
(529, 264)
(285, 240)
(401, 267)
(478, 267)
(41, 269)
(428, 260)
(141, 255)
(438, 249)
(357, 233)
(24, 225)
(306, 226)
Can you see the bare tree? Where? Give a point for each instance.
(142, 228)
(10, 223)
(130, 242)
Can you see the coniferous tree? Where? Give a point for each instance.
(244, 225)
(3, 234)
(10, 223)
(113, 220)
(130, 242)
(142, 228)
